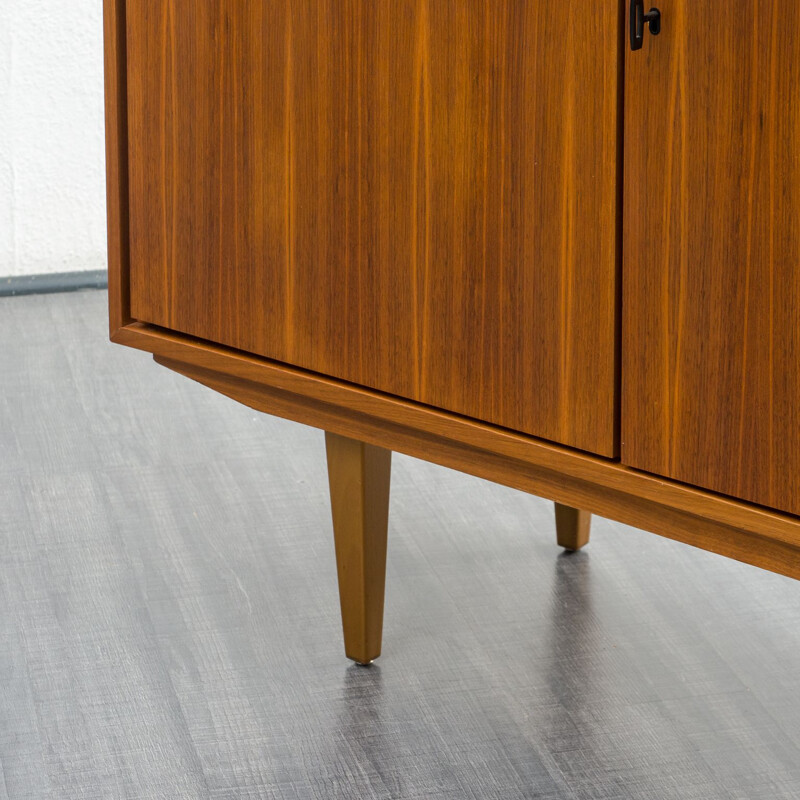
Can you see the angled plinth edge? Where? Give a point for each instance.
(739, 530)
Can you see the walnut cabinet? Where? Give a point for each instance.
(549, 244)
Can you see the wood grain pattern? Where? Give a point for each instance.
(711, 359)
(712, 522)
(573, 527)
(359, 476)
(116, 118)
(418, 196)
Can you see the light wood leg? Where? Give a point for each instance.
(359, 477)
(572, 527)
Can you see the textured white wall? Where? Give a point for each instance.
(52, 181)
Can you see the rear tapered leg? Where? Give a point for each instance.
(572, 527)
(359, 477)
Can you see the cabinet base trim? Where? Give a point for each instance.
(735, 529)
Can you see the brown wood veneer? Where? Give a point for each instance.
(415, 196)
(711, 323)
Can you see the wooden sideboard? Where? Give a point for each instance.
(494, 236)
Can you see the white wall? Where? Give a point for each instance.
(52, 181)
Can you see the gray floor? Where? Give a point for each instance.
(169, 624)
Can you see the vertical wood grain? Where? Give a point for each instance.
(418, 196)
(116, 117)
(359, 476)
(711, 359)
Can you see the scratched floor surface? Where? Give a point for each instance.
(169, 619)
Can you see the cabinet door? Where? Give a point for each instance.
(711, 267)
(418, 196)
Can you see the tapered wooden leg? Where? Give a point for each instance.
(359, 477)
(572, 527)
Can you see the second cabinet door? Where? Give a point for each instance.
(417, 196)
(711, 305)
